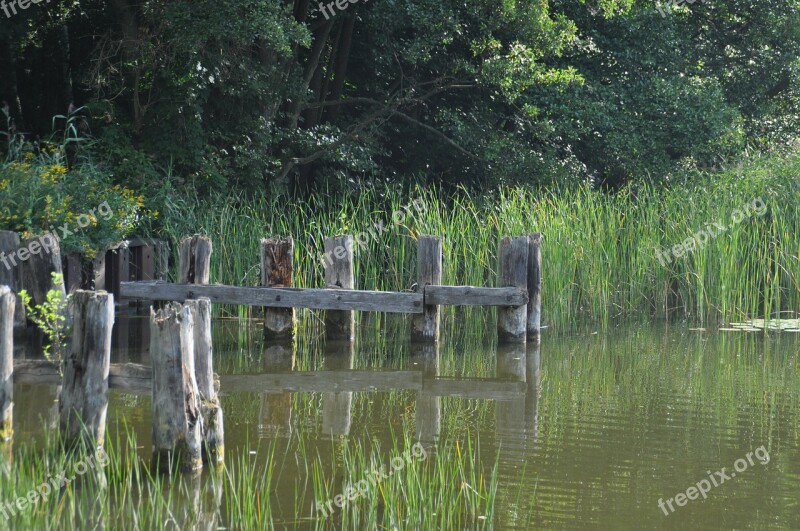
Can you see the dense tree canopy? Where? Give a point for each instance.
(259, 93)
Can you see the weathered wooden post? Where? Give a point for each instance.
(534, 285)
(195, 260)
(213, 432)
(40, 257)
(83, 403)
(177, 419)
(339, 324)
(513, 258)
(425, 326)
(277, 258)
(7, 303)
(11, 272)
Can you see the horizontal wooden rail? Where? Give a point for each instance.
(473, 296)
(320, 299)
(328, 299)
(138, 379)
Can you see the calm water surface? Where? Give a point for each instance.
(591, 430)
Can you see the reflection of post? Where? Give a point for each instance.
(336, 415)
(122, 339)
(202, 512)
(533, 378)
(276, 407)
(511, 364)
(425, 357)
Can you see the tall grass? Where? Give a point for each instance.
(599, 249)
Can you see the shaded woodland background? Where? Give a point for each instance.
(238, 95)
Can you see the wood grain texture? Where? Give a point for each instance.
(512, 321)
(474, 296)
(319, 298)
(177, 418)
(277, 267)
(425, 326)
(83, 403)
(8, 302)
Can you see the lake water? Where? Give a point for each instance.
(589, 429)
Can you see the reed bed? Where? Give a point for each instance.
(599, 249)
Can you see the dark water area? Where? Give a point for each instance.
(589, 430)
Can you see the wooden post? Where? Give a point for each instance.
(195, 260)
(513, 258)
(99, 271)
(11, 272)
(534, 285)
(177, 419)
(73, 277)
(213, 433)
(84, 396)
(120, 270)
(339, 324)
(8, 301)
(277, 257)
(38, 268)
(425, 326)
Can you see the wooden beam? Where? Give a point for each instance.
(481, 388)
(322, 299)
(474, 296)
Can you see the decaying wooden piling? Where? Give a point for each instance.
(83, 403)
(213, 432)
(425, 326)
(534, 285)
(277, 259)
(42, 258)
(8, 302)
(512, 321)
(11, 272)
(177, 417)
(195, 260)
(339, 324)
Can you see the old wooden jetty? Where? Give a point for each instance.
(517, 295)
(187, 417)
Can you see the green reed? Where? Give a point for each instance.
(599, 249)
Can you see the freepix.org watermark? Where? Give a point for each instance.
(9, 7)
(703, 487)
(374, 477)
(47, 241)
(52, 485)
(363, 238)
(698, 240)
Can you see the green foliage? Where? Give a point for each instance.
(51, 318)
(40, 194)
